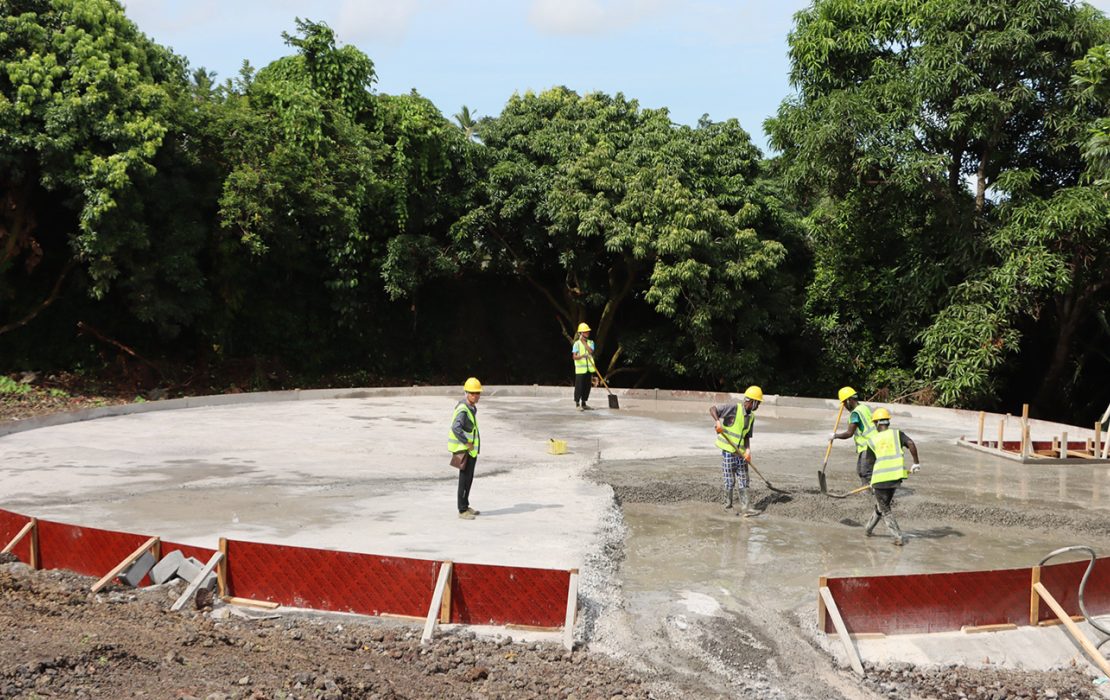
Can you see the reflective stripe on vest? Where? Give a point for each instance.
(585, 364)
(737, 431)
(866, 429)
(453, 444)
(890, 462)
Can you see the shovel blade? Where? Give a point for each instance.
(613, 403)
(822, 482)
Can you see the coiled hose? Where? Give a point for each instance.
(1082, 585)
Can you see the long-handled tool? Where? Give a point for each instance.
(613, 403)
(821, 474)
(737, 451)
(850, 493)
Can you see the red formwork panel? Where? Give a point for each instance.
(483, 594)
(84, 550)
(10, 525)
(931, 602)
(1062, 581)
(323, 579)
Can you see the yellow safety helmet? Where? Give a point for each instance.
(583, 327)
(880, 414)
(754, 393)
(472, 386)
(846, 393)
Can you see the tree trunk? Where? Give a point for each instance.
(1069, 313)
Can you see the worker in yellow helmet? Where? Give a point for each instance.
(582, 352)
(734, 424)
(860, 428)
(464, 439)
(887, 447)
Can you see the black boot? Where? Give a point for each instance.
(728, 499)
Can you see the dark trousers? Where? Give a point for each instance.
(466, 478)
(582, 387)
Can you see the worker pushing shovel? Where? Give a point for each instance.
(860, 428)
(734, 424)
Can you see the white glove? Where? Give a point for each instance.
(832, 436)
(915, 468)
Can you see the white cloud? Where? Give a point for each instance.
(583, 17)
(359, 20)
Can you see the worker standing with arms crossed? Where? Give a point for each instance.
(582, 352)
(734, 424)
(888, 446)
(464, 437)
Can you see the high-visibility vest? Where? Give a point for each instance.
(890, 462)
(737, 431)
(584, 364)
(866, 429)
(453, 443)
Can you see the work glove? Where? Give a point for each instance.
(832, 436)
(747, 455)
(915, 468)
(718, 428)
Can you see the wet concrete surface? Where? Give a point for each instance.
(669, 577)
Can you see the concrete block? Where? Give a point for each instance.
(165, 569)
(189, 569)
(134, 574)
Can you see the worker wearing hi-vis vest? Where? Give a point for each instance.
(734, 424)
(464, 437)
(582, 352)
(860, 428)
(888, 447)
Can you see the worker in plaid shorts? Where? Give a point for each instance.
(734, 424)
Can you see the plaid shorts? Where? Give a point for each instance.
(734, 466)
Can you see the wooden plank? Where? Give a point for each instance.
(36, 560)
(442, 582)
(1034, 599)
(221, 569)
(532, 628)
(1001, 430)
(867, 635)
(445, 606)
(1024, 430)
(838, 623)
(399, 616)
(192, 587)
(1073, 629)
(1051, 623)
(971, 629)
(572, 611)
(822, 582)
(251, 603)
(1063, 445)
(19, 536)
(107, 578)
(1081, 454)
(982, 417)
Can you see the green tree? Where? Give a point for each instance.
(467, 123)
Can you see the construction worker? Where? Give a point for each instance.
(888, 448)
(860, 428)
(464, 437)
(582, 352)
(734, 424)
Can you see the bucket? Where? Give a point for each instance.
(557, 447)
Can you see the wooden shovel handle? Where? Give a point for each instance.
(835, 428)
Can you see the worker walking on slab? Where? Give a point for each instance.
(582, 352)
(464, 437)
(860, 428)
(887, 447)
(734, 424)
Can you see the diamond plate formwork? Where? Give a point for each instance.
(1062, 581)
(931, 602)
(323, 579)
(10, 525)
(84, 550)
(483, 594)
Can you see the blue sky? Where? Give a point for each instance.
(694, 57)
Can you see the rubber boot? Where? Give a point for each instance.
(870, 528)
(745, 504)
(892, 524)
(728, 499)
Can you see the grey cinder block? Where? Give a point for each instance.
(165, 569)
(133, 574)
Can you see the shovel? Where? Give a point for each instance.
(821, 474)
(613, 403)
(850, 493)
(757, 472)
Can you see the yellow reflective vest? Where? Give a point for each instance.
(585, 364)
(890, 462)
(737, 431)
(866, 428)
(453, 443)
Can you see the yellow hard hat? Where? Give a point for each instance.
(846, 393)
(472, 386)
(754, 393)
(880, 414)
(583, 327)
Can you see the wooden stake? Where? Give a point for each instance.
(1034, 599)
(1001, 430)
(1024, 429)
(572, 611)
(107, 578)
(36, 559)
(1076, 633)
(192, 587)
(970, 629)
(251, 603)
(822, 617)
(221, 569)
(443, 582)
(445, 606)
(1026, 443)
(982, 417)
(1063, 445)
(838, 623)
(31, 524)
